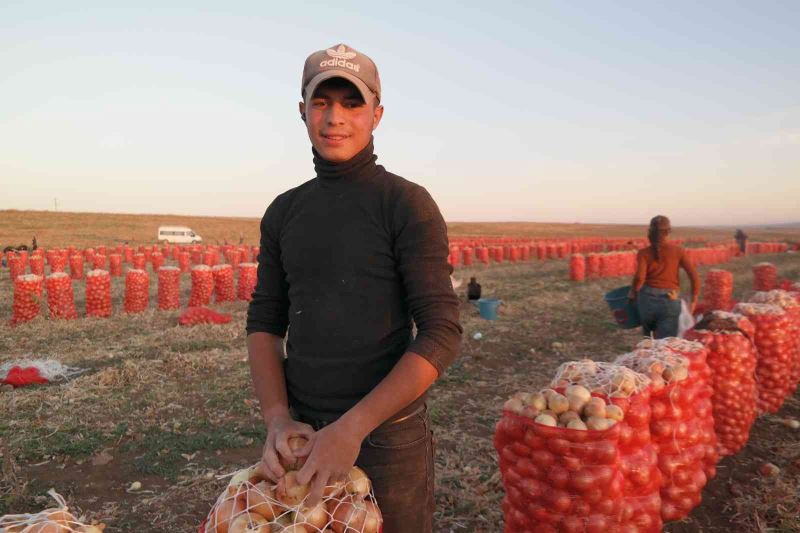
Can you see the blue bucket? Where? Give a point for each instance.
(626, 313)
(488, 308)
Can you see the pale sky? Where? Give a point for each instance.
(542, 111)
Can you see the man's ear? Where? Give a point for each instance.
(377, 116)
(302, 107)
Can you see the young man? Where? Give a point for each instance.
(348, 260)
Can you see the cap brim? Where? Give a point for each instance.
(312, 85)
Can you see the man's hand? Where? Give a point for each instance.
(333, 452)
(279, 431)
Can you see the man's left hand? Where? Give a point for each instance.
(333, 452)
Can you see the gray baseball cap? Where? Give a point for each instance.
(341, 61)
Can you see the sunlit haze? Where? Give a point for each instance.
(528, 111)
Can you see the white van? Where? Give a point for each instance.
(178, 235)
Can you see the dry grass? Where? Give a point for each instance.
(58, 229)
(173, 408)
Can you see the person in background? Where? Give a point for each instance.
(34, 245)
(656, 284)
(473, 290)
(741, 240)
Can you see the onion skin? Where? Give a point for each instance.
(45, 527)
(289, 492)
(374, 520)
(357, 482)
(241, 524)
(295, 443)
(316, 517)
(348, 515)
(223, 515)
(257, 500)
(546, 420)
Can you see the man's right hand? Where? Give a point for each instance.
(279, 430)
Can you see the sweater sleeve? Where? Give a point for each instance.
(688, 266)
(269, 308)
(421, 250)
(641, 271)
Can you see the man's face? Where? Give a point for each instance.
(338, 121)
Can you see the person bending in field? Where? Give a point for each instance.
(656, 284)
(348, 260)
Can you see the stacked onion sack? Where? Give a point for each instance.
(559, 458)
(765, 277)
(60, 296)
(679, 426)
(248, 274)
(630, 391)
(774, 346)
(169, 281)
(54, 520)
(699, 380)
(98, 293)
(27, 298)
(137, 291)
(252, 504)
(577, 267)
(718, 290)
(732, 358)
(223, 283)
(202, 286)
(790, 304)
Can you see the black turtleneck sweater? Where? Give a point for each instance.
(347, 260)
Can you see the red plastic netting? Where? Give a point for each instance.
(224, 290)
(139, 261)
(98, 293)
(718, 290)
(577, 267)
(157, 260)
(137, 290)
(790, 303)
(115, 265)
(202, 315)
(765, 277)
(732, 358)
(127, 254)
(169, 284)
(593, 265)
(16, 267)
(210, 257)
(183, 261)
(248, 273)
(57, 261)
(36, 263)
(60, 296)
(256, 251)
(232, 257)
(98, 262)
(202, 286)
(775, 353)
(27, 298)
(76, 266)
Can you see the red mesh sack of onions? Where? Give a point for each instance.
(202, 315)
(156, 260)
(76, 266)
(254, 257)
(679, 432)
(699, 380)
(88, 255)
(98, 262)
(248, 274)
(115, 265)
(183, 261)
(630, 391)
(98, 293)
(252, 504)
(775, 355)
(790, 304)
(16, 267)
(718, 290)
(53, 520)
(27, 298)
(169, 285)
(127, 254)
(765, 277)
(137, 290)
(559, 460)
(732, 358)
(210, 257)
(232, 257)
(593, 265)
(202, 286)
(577, 267)
(57, 262)
(60, 296)
(223, 283)
(36, 262)
(197, 256)
(139, 261)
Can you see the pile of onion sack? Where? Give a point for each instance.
(54, 520)
(252, 504)
(775, 353)
(681, 424)
(790, 303)
(732, 358)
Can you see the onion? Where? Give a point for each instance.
(595, 408)
(260, 498)
(514, 405)
(316, 516)
(357, 482)
(577, 424)
(624, 382)
(598, 424)
(578, 396)
(569, 416)
(530, 411)
(334, 489)
(374, 520)
(615, 412)
(558, 403)
(295, 463)
(223, 515)
(94, 529)
(289, 492)
(250, 523)
(546, 420)
(245, 474)
(348, 514)
(45, 527)
(64, 518)
(538, 401)
(678, 373)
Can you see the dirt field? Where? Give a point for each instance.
(90, 229)
(172, 407)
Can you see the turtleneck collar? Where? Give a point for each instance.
(360, 165)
